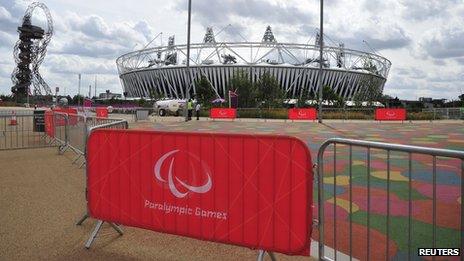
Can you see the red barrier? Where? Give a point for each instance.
(49, 126)
(302, 114)
(390, 114)
(66, 110)
(101, 112)
(223, 113)
(72, 118)
(248, 190)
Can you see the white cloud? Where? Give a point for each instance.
(446, 41)
(74, 64)
(430, 9)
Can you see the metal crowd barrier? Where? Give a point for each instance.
(16, 112)
(23, 130)
(26, 129)
(60, 125)
(78, 128)
(371, 149)
(447, 113)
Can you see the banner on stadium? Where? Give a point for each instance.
(386, 114)
(249, 190)
(302, 114)
(101, 112)
(223, 113)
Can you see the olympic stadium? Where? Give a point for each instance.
(295, 66)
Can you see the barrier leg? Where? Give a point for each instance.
(271, 254)
(94, 234)
(117, 228)
(62, 149)
(82, 165)
(52, 140)
(261, 254)
(86, 215)
(78, 157)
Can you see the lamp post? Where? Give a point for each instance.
(321, 47)
(79, 92)
(187, 95)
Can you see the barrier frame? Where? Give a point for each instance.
(66, 144)
(290, 111)
(378, 110)
(101, 112)
(99, 223)
(22, 141)
(261, 252)
(434, 152)
(223, 118)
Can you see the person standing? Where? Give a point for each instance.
(190, 109)
(197, 110)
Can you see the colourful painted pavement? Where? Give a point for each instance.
(336, 191)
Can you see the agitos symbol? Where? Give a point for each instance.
(390, 113)
(302, 113)
(170, 180)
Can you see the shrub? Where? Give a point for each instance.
(422, 116)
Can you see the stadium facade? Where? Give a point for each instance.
(162, 70)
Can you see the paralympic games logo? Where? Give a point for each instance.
(390, 113)
(170, 179)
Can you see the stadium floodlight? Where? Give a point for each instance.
(189, 83)
(321, 47)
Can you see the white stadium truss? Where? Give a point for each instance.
(295, 66)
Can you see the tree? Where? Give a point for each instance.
(385, 100)
(305, 96)
(270, 91)
(328, 94)
(358, 99)
(143, 103)
(370, 91)
(154, 95)
(461, 97)
(204, 91)
(6, 98)
(246, 90)
(77, 99)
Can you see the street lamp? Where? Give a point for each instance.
(187, 96)
(321, 46)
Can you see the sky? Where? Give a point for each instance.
(424, 39)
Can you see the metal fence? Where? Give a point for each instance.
(78, 128)
(26, 129)
(447, 113)
(23, 130)
(348, 182)
(16, 112)
(60, 125)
